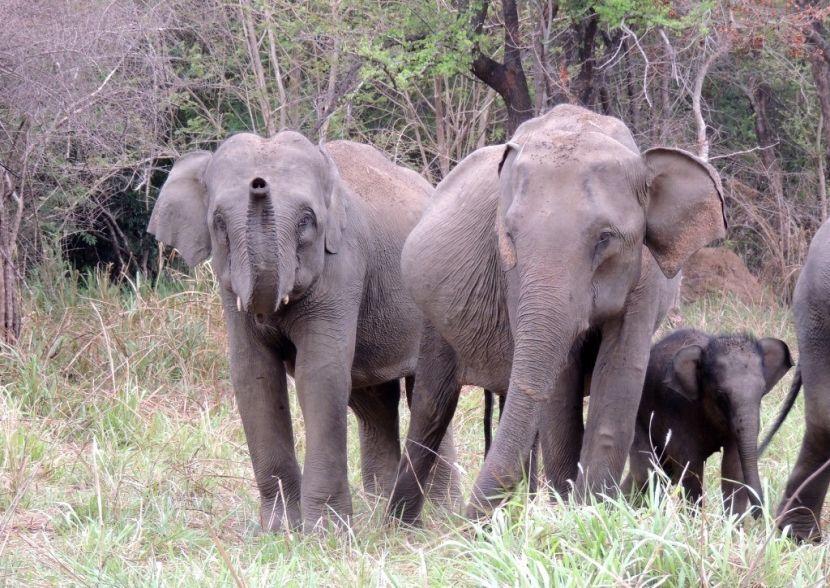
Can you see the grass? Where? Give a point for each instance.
(122, 462)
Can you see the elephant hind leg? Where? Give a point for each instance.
(800, 508)
(376, 408)
(444, 484)
(434, 399)
(801, 505)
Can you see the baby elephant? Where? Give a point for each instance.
(703, 392)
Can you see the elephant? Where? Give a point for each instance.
(539, 267)
(702, 393)
(799, 512)
(305, 243)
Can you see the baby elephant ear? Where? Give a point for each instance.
(179, 216)
(685, 207)
(335, 203)
(682, 373)
(777, 360)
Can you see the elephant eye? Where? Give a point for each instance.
(306, 220)
(219, 222)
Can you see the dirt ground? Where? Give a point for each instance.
(718, 271)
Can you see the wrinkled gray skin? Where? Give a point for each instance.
(800, 511)
(537, 261)
(703, 393)
(305, 244)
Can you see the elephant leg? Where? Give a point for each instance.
(561, 428)
(532, 467)
(690, 477)
(376, 408)
(734, 491)
(640, 463)
(444, 484)
(616, 388)
(434, 399)
(801, 506)
(323, 378)
(261, 390)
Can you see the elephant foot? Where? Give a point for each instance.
(330, 513)
(275, 516)
(800, 525)
(405, 503)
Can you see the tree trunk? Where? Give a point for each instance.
(508, 78)
(759, 97)
(440, 128)
(9, 225)
(821, 77)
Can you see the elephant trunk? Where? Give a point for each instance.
(545, 328)
(270, 254)
(746, 423)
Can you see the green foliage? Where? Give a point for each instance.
(640, 13)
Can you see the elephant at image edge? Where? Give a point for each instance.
(305, 243)
(540, 267)
(800, 509)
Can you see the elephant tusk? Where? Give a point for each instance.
(282, 302)
(238, 304)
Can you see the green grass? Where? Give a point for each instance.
(122, 462)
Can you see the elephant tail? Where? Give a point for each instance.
(785, 410)
(488, 421)
(488, 417)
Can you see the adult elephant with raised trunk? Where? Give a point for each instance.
(305, 242)
(540, 267)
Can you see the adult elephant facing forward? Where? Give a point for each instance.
(305, 243)
(540, 266)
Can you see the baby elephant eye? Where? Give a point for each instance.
(605, 236)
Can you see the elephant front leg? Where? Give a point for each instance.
(323, 379)
(616, 388)
(260, 387)
(561, 428)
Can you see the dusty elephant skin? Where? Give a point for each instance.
(537, 261)
(799, 512)
(703, 393)
(305, 243)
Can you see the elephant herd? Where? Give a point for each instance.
(538, 270)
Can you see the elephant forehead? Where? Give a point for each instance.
(733, 355)
(283, 166)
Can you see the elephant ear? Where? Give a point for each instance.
(507, 250)
(179, 217)
(682, 372)
(335, 203)
(685, 207)
(777, 360)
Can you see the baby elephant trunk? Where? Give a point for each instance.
(745, 423)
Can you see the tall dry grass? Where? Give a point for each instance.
(122, 462)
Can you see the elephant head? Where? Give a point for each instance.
(729, 377)
(578, 206)
(266, 211)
